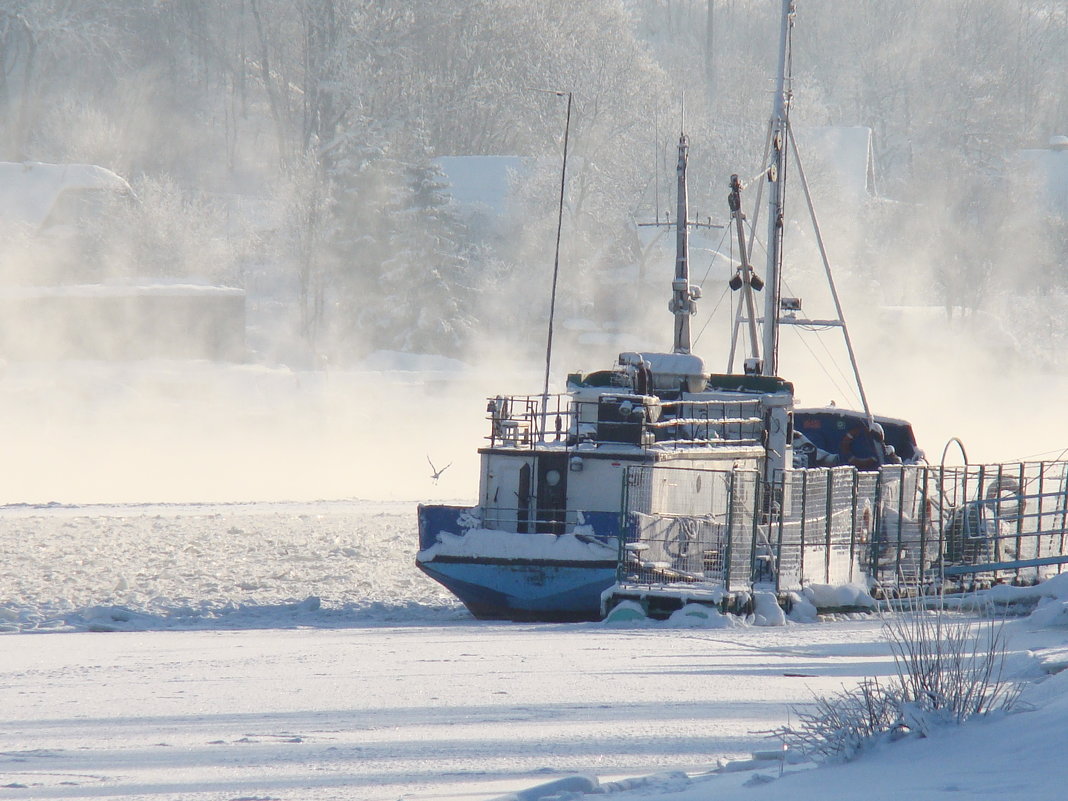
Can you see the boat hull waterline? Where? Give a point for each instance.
(501, 575)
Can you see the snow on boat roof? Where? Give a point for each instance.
(667, 363)
(28, 190)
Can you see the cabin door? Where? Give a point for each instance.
(552, 492)
(523, 511)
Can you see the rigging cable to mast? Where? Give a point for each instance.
(845, 392)
(716, 255)
(556, 270)
(837, 364)
(726, 291)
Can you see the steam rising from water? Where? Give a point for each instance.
(76, 431)
(174, 432)
(170, 432)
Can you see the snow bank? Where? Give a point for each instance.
(1005, 756)
(838, 596)
(1009, 756)
(766, 610)
(701, 616)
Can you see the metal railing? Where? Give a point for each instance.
(522, 421)
(519, 420)
(895, 529)
(690, 421)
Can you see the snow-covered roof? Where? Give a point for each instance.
(29, 190)
(673, 364)
(482, 182)
(1047, 171)
(838, 157)
(124, 290)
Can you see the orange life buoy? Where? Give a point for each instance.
(845, 449)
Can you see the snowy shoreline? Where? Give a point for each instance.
(293, 650)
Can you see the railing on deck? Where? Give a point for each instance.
(689, 421)
(900, 527)
(519, 421)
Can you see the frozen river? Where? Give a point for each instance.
(293, 651)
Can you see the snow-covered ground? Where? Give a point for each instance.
(292, 651)
(459, 711)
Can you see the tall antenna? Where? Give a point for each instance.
(682, 298)
(556, 269)
(656, 162)
(683, 304)
(776, 196)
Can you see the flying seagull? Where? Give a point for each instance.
(436, 474)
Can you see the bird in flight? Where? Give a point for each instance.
(436, 474)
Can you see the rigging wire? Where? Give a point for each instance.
(837, 365)
(726, 291)
(754, 239)
(732, 325)
(1060, 455)
(816, 359)
(716, 254)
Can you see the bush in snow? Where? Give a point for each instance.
(947, 670)
(838, 726)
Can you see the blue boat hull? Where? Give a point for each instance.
(506, 590)
(514, 589)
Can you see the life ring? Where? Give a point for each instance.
(1006, 492)
(845, 449)
(686, 537)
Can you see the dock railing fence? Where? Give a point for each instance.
(897, 529)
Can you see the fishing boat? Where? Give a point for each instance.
(543, 541)
(559, 473)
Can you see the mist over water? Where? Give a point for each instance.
(226, 327)
(172, 432)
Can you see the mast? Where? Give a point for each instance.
(749, 281)
(776, 194)
(683, 296)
